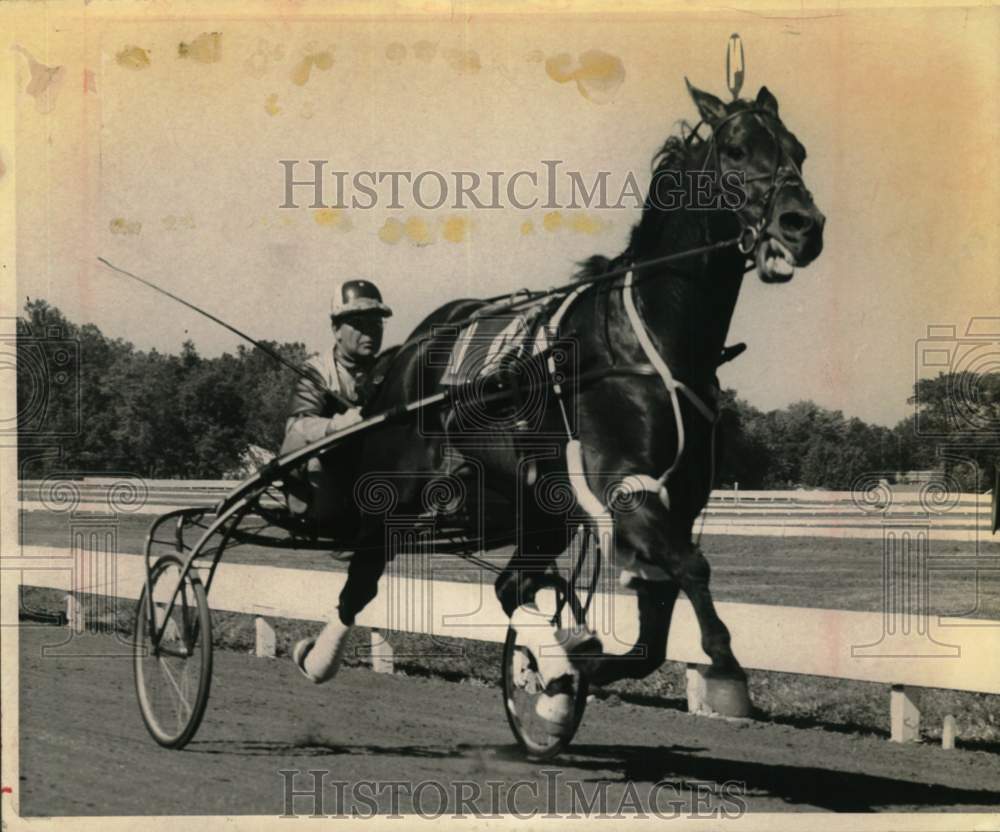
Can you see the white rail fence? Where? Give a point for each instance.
(901, 648)
(840, 514)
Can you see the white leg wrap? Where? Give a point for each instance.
(323, 661)
(536, 634)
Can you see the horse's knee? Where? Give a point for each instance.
(507, 591)
(694, 569)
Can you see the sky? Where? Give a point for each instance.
(152, 138)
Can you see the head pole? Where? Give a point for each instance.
(735, 65)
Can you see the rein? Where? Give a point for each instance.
(780, 176)
(529, 297)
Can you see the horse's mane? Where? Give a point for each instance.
(677, 153)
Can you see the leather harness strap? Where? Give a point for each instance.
(574, 450)
(672, 384)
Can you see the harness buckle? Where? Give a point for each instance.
(748, 239)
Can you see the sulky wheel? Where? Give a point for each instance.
(522, 683)
(173, 657)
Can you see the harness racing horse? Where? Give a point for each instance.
(641, 411)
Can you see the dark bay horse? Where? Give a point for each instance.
(656, 427)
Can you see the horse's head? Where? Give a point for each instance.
(781, 224)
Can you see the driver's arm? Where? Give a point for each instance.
(315, 413)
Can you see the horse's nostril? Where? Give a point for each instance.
(795, 222)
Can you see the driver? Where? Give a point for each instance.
(334, 399)
(330, 403)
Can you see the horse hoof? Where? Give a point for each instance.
(320, 658)
(727, 696)
(556, 713)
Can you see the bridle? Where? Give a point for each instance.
(783, 174)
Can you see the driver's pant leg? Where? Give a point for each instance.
(362, 583)
(323, 494)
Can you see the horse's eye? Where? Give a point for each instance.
(734, 152)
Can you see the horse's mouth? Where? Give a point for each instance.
(775, 263)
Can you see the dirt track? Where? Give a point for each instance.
(84, 749)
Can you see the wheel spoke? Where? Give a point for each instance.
(170, 678)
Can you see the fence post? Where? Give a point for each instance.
(695, 690)
(266, 646)
(381, 653)
(75, 616)
(948, 732)
(904, 714)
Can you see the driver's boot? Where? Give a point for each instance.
(319, 658)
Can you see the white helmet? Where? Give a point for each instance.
(357, 296)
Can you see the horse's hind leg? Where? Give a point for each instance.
(726, 688)
(694, 574)
(542, 538)
(361, 587)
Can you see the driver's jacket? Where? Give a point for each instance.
(313, 414)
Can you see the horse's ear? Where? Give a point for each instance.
(767, 101)
(711, 109)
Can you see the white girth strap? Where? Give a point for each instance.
(588, 500)
(603, 523)
(672, 384)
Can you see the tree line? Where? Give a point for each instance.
(88, 403)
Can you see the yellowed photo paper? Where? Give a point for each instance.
(499, 414)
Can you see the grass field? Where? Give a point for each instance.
(803, 572)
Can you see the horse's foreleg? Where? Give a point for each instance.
(656, 606)
(543, 538)
(517, 584)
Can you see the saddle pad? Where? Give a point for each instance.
(496, 340)
(483, 347)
